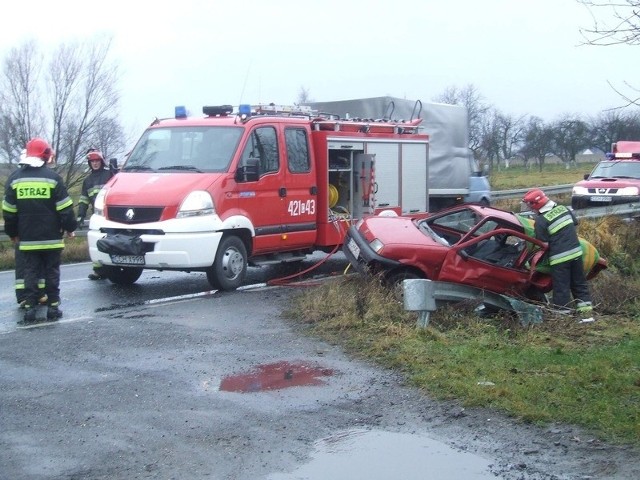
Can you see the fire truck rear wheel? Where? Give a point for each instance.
(230, 267)
(122, 275)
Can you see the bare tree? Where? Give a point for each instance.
(621, 23)
(571, 136)
(20, 100)
(303, 96)
(615, 22)
(537, 141)
(82, 82)
(489, 142)
(510, 132)
(477, 111)
(79, 92)
(611, 126)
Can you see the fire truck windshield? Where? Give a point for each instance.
(617, 169)
(185, 149)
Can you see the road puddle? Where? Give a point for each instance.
(275, 376)
(381, 455)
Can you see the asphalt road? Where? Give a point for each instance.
(167, 379)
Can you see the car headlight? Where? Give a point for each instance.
(98, 204)
(196, 204)
(628, 191)
(376, 245)
(579, 191)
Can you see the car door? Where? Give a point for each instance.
(260, 200)
(299, 192)
(494, 261)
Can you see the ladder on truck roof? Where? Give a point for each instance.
(356, 125)
(333, 122)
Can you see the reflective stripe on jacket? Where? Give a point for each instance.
(558, 228)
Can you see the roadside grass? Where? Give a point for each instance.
(75, 250)
(516, 177)
(556, 371)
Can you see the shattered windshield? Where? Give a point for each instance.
(617, 170)
(185, 149)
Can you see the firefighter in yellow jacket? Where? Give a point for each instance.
(37, 212)
(556, 225)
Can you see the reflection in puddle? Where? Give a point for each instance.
(380, 455)
(275, 376)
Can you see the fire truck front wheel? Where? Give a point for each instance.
(122, 275)
(230, 266)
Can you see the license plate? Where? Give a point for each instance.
(601, 199)
(128, 259)
(353, 248)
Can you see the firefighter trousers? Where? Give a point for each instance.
(569, 280)
(19, 273)
(36, 263)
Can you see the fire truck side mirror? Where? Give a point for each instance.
(249, 172)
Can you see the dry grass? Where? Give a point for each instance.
(75, 250)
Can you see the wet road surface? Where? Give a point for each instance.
(169, 379)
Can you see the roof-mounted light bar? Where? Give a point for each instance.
(621, 155)
(217, 110)
(181, 111)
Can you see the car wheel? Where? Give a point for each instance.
(121, 275)
(230, 266)
(536, 295)
(394, 281)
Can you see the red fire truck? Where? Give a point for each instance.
(254, 185)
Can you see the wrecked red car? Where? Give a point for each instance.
(482, 247)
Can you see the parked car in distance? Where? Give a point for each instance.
(473, 245)
(613, 181)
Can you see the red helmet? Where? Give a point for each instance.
(535, 198)
(37, 147)
(95, 154)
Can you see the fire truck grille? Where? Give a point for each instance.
(133, 215)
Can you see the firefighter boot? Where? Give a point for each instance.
(584, 310)
(29, 316)
(53, 313)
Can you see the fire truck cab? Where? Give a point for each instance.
(254, 185)
(613, 181)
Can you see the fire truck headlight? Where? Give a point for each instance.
(376, 245)
(98, 204)
(628, 191)
(196, 204)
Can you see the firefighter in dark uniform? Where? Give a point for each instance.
(98, 176)
(556, 225)
(19, 269)
(37, 211)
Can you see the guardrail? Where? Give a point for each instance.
(519, 193)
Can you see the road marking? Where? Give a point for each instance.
(16, 327)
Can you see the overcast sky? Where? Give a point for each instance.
(524, 57)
